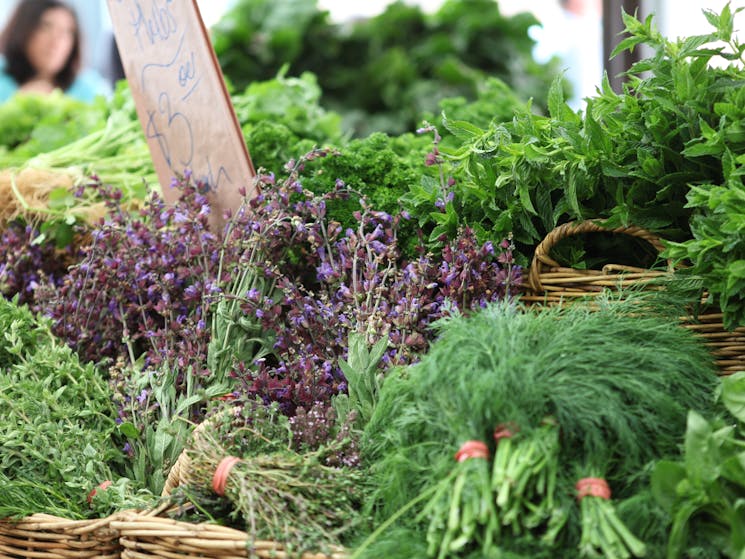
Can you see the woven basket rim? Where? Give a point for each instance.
(543, 261)
(549, 283)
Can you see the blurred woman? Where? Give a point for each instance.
(41, 48)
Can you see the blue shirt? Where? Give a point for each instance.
(87, 85)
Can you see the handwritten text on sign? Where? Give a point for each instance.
(181, 97)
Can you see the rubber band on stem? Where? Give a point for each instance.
(592, 487)
(472, 449)
(220, 477)
(505, 431)
(103, 486)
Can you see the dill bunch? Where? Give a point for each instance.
(618, 384)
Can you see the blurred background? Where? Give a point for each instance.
(575, 36)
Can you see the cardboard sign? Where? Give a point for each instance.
(182, 102)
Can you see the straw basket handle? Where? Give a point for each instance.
(542, 257)
(180, 471)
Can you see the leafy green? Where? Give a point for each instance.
(360, 372)
(385, 169)
(387, 72)
(114, 150)
(256, 37)
(733, 395)
(157, 432)
(57, 429)
(282, 119)
(291, 101)
(717, 249)
(635, 157)
(705, 492)
(33, 124)
(617, 384)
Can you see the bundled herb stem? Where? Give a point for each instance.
(603, 532)
(282, 496)
(524, 477)
(461, 512)
(615, 384)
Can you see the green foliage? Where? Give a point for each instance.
(387, 72)
(389, 170)
(280, 495)
(160, 425)
(235, 336)
(255, 38)
(272, 144)
(517, 171)
(363, 379)
(33, 124)
(57, 429)
(705, 492)
(495, 101)
(717, 249)
(107, 142)
(282, 119)
(383, 168)
(714, 101)
(665, 155)
(117, 153)
(617, 384)
(292, 102)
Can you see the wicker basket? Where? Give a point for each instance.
(150, 536)
(179, 472)
(43, 536)
(550, 283)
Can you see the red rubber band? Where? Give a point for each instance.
(592, 487)
(103, 486)
(472, 449)
(504, 431)
(220, 477)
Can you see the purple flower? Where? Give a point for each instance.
(166, 284)
(191, 292)
(325, 272)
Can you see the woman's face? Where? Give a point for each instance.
(52, 41)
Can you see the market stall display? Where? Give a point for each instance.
(361, 363)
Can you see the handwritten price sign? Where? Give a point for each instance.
(181, 99)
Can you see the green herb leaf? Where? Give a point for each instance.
(733, 394)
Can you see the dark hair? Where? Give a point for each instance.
(17, 32)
